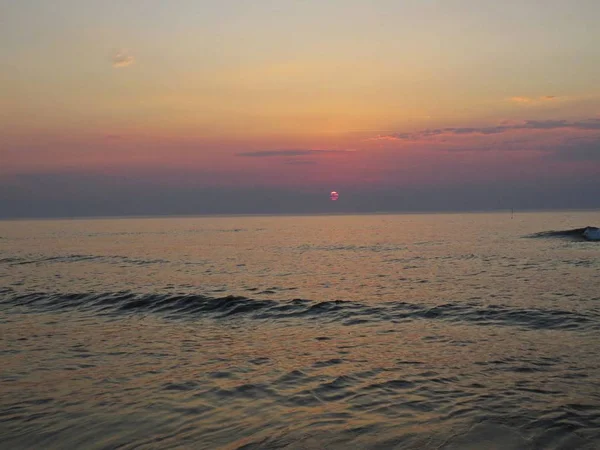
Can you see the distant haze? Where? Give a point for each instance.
(149, 107)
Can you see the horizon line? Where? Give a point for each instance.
(290, 214)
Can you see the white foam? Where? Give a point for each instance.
(592, 234)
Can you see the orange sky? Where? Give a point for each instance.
(346, 93)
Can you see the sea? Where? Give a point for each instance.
(412, 331)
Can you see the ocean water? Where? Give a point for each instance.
(453, 331)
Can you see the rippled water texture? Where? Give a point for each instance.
(473, 331)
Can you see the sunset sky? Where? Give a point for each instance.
(231, 106)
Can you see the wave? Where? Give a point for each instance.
(188, 231)
(576, 234)
(113, 259)
(377, 248)
(188, 306)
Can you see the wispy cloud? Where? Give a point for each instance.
(532, 100)
(122, 58)
(278, 153)
(301, 162)
(589, 124)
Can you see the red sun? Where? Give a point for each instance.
(334, 196)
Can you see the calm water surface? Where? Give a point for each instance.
(382, 331)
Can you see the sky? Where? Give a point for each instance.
(144, 107)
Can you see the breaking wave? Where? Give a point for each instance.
(576, 234)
